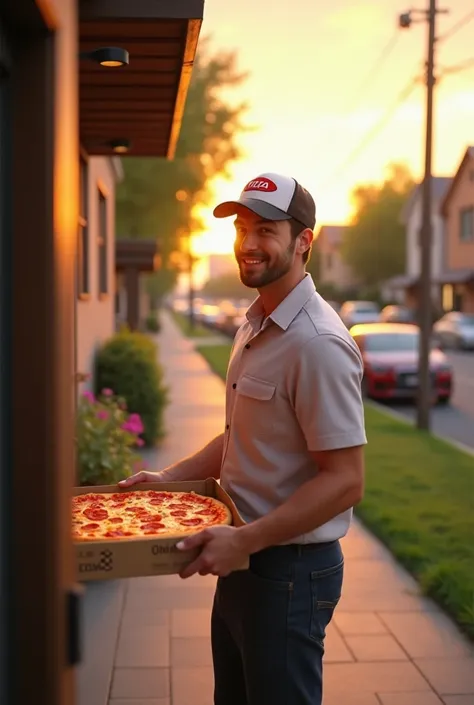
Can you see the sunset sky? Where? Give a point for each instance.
(307, 62)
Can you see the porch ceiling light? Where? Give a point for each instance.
(120, 146)
(107, 56)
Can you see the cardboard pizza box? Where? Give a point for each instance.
(110, 560)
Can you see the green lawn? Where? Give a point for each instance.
(419, 500)
(198, 330)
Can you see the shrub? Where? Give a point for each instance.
(106, 439)
(127, 364)
(152, 323)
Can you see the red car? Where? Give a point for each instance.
(390, 355)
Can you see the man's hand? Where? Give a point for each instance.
(145, 476)
(223, 551)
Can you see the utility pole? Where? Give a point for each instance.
(425, 387)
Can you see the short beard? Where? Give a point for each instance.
(270, 274)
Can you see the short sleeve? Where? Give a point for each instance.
(326, 393)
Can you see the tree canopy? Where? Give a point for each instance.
(157, 196)
(374, 243)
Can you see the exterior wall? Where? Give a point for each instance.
(413, 253)
(460, 255)
(95, 311)
(413, 250)
(333, 270)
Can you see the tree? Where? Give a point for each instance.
(157, 197)
(374, 244)
(228, 286)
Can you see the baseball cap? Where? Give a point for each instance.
(273, 197)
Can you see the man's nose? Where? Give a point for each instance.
(248, 243)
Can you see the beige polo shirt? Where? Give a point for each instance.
(293, 386)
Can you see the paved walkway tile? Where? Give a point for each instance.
(409, 699)
(454, 676)
(387, 644)
(374, 647)
(140, 683)
(192, 686)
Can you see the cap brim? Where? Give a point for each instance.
(261, 208)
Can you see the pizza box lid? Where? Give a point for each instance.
(143, 556)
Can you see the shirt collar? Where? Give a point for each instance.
(288, 309)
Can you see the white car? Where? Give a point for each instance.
(455, 330)
(355, 312)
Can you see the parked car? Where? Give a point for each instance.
(390, 352)
(397, 314)
(354, 312)
(455, 330)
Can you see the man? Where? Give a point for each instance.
(291, 457)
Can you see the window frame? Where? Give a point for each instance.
(103, 242)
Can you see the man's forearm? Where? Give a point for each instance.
(312, 505)
(203, 464)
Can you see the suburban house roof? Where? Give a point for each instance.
(141, 103)
(333, 233)
(439, 185)
(468, 155)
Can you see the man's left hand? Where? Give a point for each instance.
(222, 551)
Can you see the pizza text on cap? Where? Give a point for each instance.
(266, 185)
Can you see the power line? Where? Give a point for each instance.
(376, 129)
(457, 68)
(457, 26)
(381, 60)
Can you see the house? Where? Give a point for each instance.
(332, 268)
(411, 218)
(95, 256)
(66, 93)
(457, 210)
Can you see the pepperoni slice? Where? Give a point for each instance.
(191, 522)
(120, 496)
(116, 520)
(153, 526)
(89, 527)
(96, 514)
(206, 512)
(178, 514)
(115, 533)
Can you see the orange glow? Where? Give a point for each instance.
(307, 95)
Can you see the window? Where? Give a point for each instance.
(102, 245)
(466, 225)
(83, 279)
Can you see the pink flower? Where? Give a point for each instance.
(133, 424)
(140, 442)
(103, 414)
(107, 392)
(88, 396)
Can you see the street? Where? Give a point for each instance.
(456, 420)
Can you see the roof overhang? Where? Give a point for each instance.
(142, 102)
(143, 255)
(456, 276)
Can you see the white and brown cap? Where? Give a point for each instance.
(273, 197)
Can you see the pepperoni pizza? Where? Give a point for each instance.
(146, 513)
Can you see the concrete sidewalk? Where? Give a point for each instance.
(387, 644)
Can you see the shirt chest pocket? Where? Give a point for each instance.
(253, 389)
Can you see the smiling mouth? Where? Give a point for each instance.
(251, 261)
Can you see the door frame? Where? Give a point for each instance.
(43, 648)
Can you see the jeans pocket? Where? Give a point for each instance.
(326, 589)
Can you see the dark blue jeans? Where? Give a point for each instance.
(269, 624)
